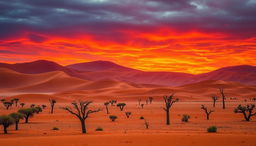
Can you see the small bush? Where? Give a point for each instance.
(212, 129)
(99, 129)
(55, 128)
(112, 118)
(141, 117)
(185, 118)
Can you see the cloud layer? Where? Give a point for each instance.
(166, 35)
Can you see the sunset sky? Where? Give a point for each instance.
(192, 36)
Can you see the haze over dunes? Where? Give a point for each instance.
(102, 78)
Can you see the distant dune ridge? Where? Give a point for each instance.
(49, 77)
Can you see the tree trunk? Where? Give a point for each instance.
(107, 110)
(52, 109)
(223, 102)
(83, 126)
(5, 130)
(167, 117)
(214, 103)
(207, 116)
(17, 125)
(26, 119)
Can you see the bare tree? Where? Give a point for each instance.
(52, 103)
(81, 111)
(169, 101)
(207, 112)
(214, 99)
(106, 105)
(223, 97)
(247, 111)
(150, 99)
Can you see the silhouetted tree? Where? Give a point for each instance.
(17, 117)
(106, 105)
(52, 103)
(207, 112)
(16, 100)
(150, 99)
(247, 111)
(121, 106)
(139, 101)
(43, 106)
(81, 111)
(7, 104)
(38, 109)
(28, 112)
(32, 105)
(128, 114)
(214, 99)
(22, 104)
(169, 101)
(112, 118)
(223, 97)
(6, 121)
(112, 102)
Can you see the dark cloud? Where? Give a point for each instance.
(37, 38)
(104, 18)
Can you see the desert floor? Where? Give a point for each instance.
(232, 129)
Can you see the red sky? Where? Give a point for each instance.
(185, 36)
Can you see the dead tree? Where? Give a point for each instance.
(247, 111)
(169, 101)
(52, 103)
(223, 97)
(106, 105)
(150, 99)
(142, 105)
(81, 111)
(128, 114)
(214, 99)
(207, 112)
(139, 101)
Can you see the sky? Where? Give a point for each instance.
(190, 36)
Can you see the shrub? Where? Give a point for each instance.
(99, 129)
(212, 129)
(55, 128)
(141, 117)
(185, 118)
(112, 117)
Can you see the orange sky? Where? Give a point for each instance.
(163, 50)
(190, 36)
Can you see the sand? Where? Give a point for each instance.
(232, 129)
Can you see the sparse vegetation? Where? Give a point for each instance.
(121, 106)
(15, 100)
(112, 102)
(212, 129)
(207, 112)
(6, 121)
(55, 128)
(106, 105)
(247, 111)
(22, 104)
(7, 104)
(82, 112)
(185, 118)
(169, 101)
(223, 97)
(43, 106)
(99, 129)
(112, 118)
(52, 103)
(28, 112)
(128, 114)
(141, 117)
(17, 117)
(214, 99)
